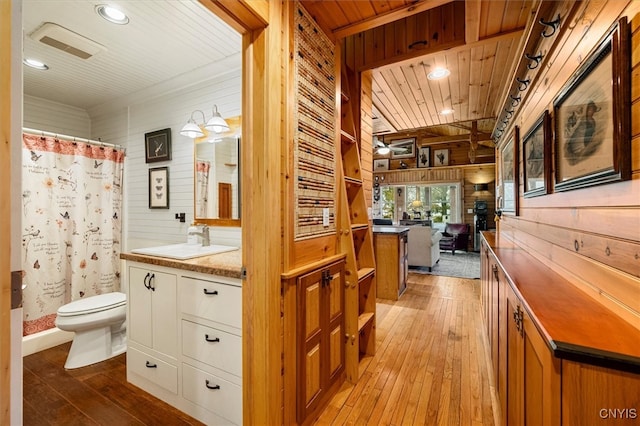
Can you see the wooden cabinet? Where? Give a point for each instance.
(390, 247)
(320, 333)
(356, 239)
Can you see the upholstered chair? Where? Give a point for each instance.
(455, 237)
(423, 247)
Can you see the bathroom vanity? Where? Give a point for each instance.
(184, 332)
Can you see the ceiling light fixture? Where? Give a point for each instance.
(112, 14)
(216, 124)
(438, 73)
(34, 63)
(446, 111)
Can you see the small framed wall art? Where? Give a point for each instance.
(157, 146)
(441, 157)
(159, 188)
(403, 148)
(380, 165)
(423, 157)
(536, 158)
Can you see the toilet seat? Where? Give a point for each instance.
(89, 305)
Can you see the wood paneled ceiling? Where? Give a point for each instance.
(480, 64)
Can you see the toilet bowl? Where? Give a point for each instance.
(99, 326)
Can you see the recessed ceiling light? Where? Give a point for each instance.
(34, 63)
(438, 73)
(112, 14)
(446, 111)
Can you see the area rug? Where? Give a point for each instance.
(460, 265)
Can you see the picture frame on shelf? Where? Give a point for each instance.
(591, 146)
(536, 157)
(403, 148)
(381, 164)
(159, 188)
(423, 157)
(508, 202)
(157, 146)
(440, 157)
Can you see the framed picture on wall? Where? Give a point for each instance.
(508, 200)
(380, 164)
(592, 117)
(157, 146)
(440, 157)
(403, 148)
(159, 188)
(423, 157)
(536, 158)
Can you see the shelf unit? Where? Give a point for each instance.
(356, 240)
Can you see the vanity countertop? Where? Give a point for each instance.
(228, 264)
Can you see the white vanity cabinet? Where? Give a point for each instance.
(151, 326)
(211, 311)
(185, 340)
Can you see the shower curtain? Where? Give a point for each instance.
(71, 205)
(202, 187)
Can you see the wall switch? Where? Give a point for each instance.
(325, 216)
(470, 211)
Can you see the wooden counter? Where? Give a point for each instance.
(575, 326)
(390, 247)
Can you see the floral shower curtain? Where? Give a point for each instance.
(71, 205)
(202, 187)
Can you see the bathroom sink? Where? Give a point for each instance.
(183, 251)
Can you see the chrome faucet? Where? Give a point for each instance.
(204, 234)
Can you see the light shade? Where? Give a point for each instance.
(191, 130)
(112, 14)
(384, 150)
(416, 204)
(438, 73)
(217, 123)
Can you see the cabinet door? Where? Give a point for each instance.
(139, 307)
(311, 344)
(515, 362)
(335, 298)
(153, 317)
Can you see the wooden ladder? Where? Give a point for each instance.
(355, 239)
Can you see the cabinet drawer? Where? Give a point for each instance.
(212, 300)
(211, 346)
(219, 396)
(163, 374)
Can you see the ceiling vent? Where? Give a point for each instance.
(61, 38)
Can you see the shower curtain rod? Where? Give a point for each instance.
(71, 138)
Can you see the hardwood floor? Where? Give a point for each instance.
(95, 395)
(430, 368)
(431, 364)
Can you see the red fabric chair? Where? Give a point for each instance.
(455, 237)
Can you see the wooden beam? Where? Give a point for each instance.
(241, 15)
(388, 17)
(471, 21)
(5, 212)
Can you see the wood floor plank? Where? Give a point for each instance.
(430, 365)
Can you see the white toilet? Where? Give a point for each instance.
(99, 324)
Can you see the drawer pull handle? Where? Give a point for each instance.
(149, 365)
(208, 339)
(214, 387)
(207, 292)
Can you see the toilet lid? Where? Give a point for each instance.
(92, 304)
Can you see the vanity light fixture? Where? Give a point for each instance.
(34, 63)
(438, 73)
(112, 14)
(215, 124)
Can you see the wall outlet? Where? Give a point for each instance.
(325, 216)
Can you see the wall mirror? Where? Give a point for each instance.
(217, 176)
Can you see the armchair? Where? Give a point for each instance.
(455, 237)
(423, 249)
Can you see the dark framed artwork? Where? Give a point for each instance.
(159, 188)
(380, 164)
(536, 157)
(423, 157)
(403, 148)
(440, 157)
(592, 117)
(157, 146)
(508, 199)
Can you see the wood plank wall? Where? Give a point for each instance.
(590, 236)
